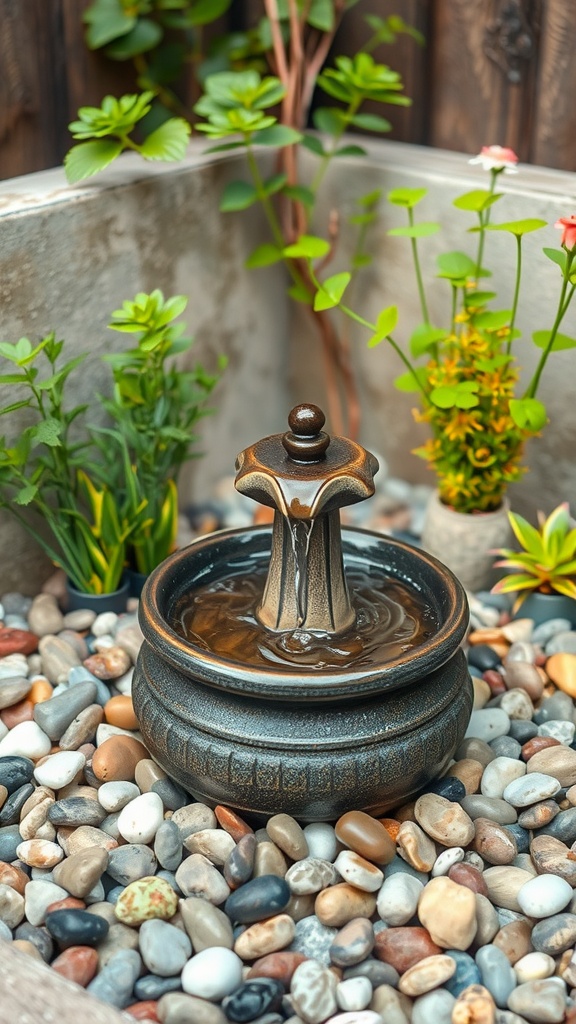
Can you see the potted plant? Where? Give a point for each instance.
(543, 572)
(465, 373)
(107, 500)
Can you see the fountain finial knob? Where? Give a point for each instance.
(306, 441)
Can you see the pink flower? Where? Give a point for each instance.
(567, 226)
(496, 158)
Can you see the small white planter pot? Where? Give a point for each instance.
(465, 541)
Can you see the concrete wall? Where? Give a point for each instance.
(69, 256)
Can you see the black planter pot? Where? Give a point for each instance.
(310, 744)
(114, 602)
(136, 581)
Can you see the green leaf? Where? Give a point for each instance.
(48, 432)
(321, 15)
(328, 120)
(300, 293)
(313, 144)
(106, 20)
(424, 337)
(455, 265)
(26, 494)
(274, 184)
(308, 247)
(493, 320)
(557, 256)
(385, 324)
(407, 197)
(264, 256)
(474, 299)
(350, 151)
(168, 142)
(371, 123)
(277, 135)
(300, 193)
(461, 396)
(528, 536)
(423, 230)
(561, 341)
(407, 381)
(202, 12)
(88, 158)
(238, 195)
(528, 413)
(331, 291)
(518, 227)
(144, 36)
(476, 201)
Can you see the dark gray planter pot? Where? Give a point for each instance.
(114, 602)
(310, 744)
(542, 607)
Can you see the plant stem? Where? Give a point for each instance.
(373, 328)
(516, 290)
(562, 308)
(484, 218)
(421, 292)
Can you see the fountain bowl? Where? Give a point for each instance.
(310, 744)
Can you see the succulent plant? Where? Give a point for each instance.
(547, 562)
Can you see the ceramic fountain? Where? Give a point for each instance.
(303, 668)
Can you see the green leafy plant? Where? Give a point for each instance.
(465, 373)
(244, 106)
(155, 408)
(109, 500)
(42, 474)
(547, 561)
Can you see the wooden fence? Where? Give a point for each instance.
(492, 71)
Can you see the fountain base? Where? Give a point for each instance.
(266, 741)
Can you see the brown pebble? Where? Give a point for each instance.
(448, 912)
(41, 691)
(109, 664)
(514, 940)
(116, 759)
(264, 937)
(504, 882)
(415, 847)
(269, 860)
(13, 876)
(277, 965)
(86, 836)
(405, 812)
(119, 711)
(494, 842)
(536, 744)
(538, 815)
(366, 836)
(392, 826)
(489, 635)
(468, 875)
(301, 906)
(469, 772)
(23, 711)
(476, 750)
(288, 836)
(68, 903)
(3, 795)
(147, 774)
(336, 906)
(524, 675)
(232, 823)
(404, 947)
(144, 1010)
(552, 857)
(561, 668)
(17, 641)
(444, 820)
(558, 761)
(474, 1005)
(77, 963)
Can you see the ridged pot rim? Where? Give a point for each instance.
(426, 575)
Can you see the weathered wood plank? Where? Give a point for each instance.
(483, 79)
(34, 994)
(554, 140)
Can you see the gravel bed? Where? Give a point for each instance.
(457, 907)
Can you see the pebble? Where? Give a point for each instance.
(321, 840)
(534, 967)
(253, 999)
(554, 934)
(265, 937)
(539, 1001)
(313, 991)
(76, 928)
(193, 818)
(499, 773)
(313, 939)
(196, 876)
(353, 994)
(60, 769)
(77, 963)
(366, 836)
(526, 676)
(206, 924)
(561, 668)
(164, 948)
(80, 873)
(530, 789)
(288, 836)
(126, 864)
(116, 759)
(397, 899)
(445, 821)
(448, 911)
(148, 897)
(115, 982)
(358, 871)
(495, 843)
(342, 902)
(404, 947)
(212, 973)
(213, 843)
(487, 724)
(25, 740)
(258, 899)
(558, 761)
(415, 847)
(239, 866)
(140, 819)
(54, 716)
(497, 974)
(433, 1006)
(353, 943)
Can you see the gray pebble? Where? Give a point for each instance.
(79, 674)
(5, 932)
(546, 630)
(562, 827)
(434, 1006)
(506, 746)
(561, 731)
(554, 934)
(523, 731)
(168, 845)
(39, 937)
(398, 865)
(115, 982)
(16, 604)
(172, 796)
(152, 987)
(492, 807)
(164, 948)
(558, 707)
(377, 972)
(13, 689)
(313, 940)
(76, 811)
(128, 863)
(562, 643)
(194, 818)
(55, 715)
(498, 975)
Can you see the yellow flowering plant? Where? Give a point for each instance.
(466, 374)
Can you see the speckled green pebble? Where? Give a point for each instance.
(145, 899)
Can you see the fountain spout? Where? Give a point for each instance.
(307, 477)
